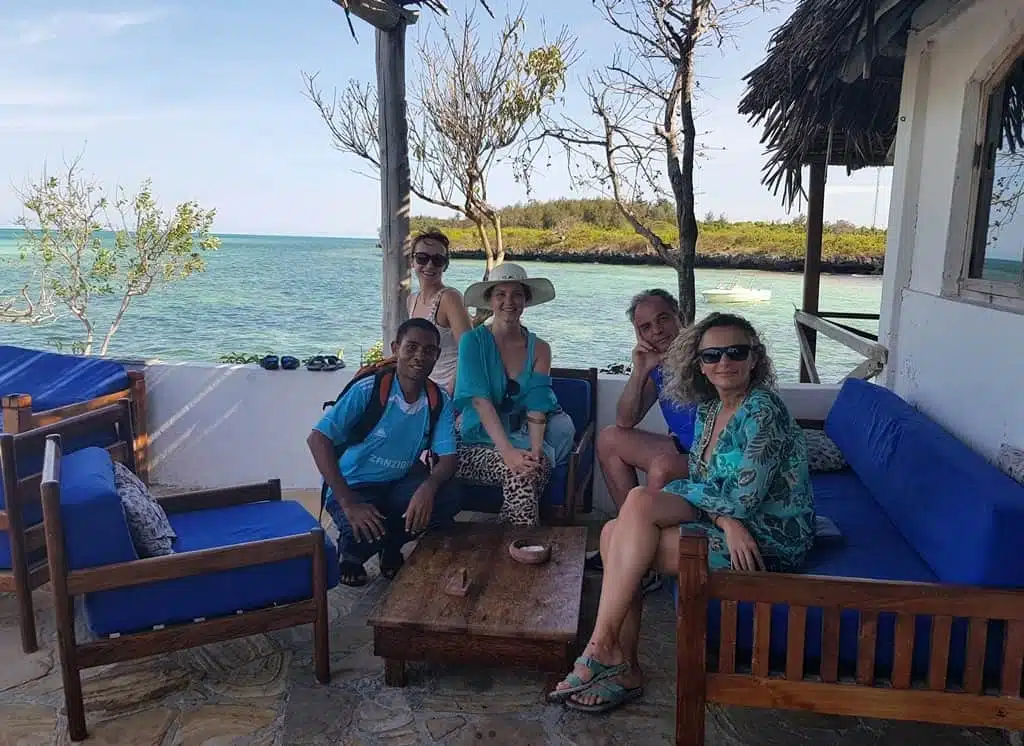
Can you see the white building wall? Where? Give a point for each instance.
(217, 425)
(962, 364)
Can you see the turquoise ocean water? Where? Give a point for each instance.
(301, 295)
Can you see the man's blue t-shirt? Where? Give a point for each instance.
(394, 445)
(679, 418)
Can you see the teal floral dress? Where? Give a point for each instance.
(757, 474)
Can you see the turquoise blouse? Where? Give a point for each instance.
(481, 373)
(758, 474)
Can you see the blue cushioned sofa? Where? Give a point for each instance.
(40, 388)
(915, 612)
(244, 562)
(571, 487)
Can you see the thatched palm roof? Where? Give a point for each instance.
(829, 89)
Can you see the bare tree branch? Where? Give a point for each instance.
(470, 108)
(643, 145)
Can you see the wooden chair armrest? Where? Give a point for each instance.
(864, 594)
(221, 497)
(584, 440)
(188, 564)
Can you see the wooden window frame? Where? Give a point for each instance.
(1001, 294)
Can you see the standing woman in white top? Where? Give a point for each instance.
(441, 305)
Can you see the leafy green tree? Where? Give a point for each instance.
(73, 262)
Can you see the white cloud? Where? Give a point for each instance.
(78, 24)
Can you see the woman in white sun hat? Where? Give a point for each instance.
(513, 432)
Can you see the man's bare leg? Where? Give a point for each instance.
(622, 451)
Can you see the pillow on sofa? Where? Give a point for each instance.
(823, 455)
(151, 532)
(1011, 461)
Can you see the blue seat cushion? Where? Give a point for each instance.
(958, 512)
(54, 380)
(219, 593)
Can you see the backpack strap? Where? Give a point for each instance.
(382, 380)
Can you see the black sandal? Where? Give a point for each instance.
(391, 562)
(354, 572)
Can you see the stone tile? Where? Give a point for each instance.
(468, 689)
(225, 657)
(384, 716)
(501, 731)
(439, 728)
(127, 687)
(318, 715)
(27, 725)
(213, 725)
(19, 668)
(262, 677)
(145, 728)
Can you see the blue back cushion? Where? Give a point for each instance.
(573, 395)
(54, 380)
(960, 513)
(95, 528)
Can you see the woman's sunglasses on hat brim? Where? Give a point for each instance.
(736, 353)
(438, 260)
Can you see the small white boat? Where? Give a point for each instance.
(736, 294)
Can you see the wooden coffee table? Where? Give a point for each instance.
(513, 614)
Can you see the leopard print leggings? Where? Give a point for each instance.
(520, 505)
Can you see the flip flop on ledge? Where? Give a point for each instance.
(269, 362)
(289, 362)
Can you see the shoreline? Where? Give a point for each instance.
(841, 265)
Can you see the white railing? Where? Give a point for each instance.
(215, 425)
(808, 325)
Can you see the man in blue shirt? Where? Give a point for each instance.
(622, 449)
(380, 494)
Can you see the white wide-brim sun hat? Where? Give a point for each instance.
(541, 289)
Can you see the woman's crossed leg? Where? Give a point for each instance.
(644, 536)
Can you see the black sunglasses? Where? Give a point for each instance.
(422, 258)
(736, 353)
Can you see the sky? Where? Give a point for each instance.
(206, 99)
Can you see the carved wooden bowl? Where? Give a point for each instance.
(529, 552)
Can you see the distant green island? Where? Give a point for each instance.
(588, 231)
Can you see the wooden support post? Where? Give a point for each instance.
(812, 258)
(17, 413)
(394, 179)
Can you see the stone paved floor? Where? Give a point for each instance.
(261, 691)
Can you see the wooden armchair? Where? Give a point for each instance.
(21, 518)
(301, 557)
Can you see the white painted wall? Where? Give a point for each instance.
(962, 364)
(217, 425)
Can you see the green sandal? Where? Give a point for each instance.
(612, 694)
(576, 684)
